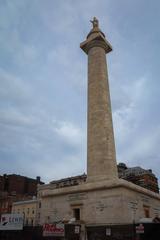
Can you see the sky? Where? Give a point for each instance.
(43, 84)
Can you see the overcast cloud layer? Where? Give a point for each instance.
(43, 83)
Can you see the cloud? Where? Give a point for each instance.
(137, 137)
(13, 88)
(69, 132)
(14, 118)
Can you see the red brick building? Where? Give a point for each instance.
(139, 176)
(15, 187)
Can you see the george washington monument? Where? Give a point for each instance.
(101, 158)
(104, 199)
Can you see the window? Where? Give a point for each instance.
(47, 219)
(27, 210)
(75, 182)
(39, 204)
(156, 214)
(76, 213)
(146, 211)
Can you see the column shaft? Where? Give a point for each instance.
(101, 159)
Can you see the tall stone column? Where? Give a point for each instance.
(101, 157)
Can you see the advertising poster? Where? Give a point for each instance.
(11, 222)
(56, 229)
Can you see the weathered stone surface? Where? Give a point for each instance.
(102, 202)
(101, 157)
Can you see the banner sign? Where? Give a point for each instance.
(77, 230)
(140, 228)
(11, 222)
(56, 229)
(108, 231)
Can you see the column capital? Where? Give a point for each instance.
(96, 39)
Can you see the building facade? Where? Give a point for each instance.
(19, 185)
(28, 209)
(15, 188)
(139, 176)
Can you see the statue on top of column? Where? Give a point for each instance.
(95, 22)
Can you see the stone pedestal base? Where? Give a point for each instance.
(99, 203)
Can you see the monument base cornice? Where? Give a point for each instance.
(97, 186)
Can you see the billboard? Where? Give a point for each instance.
(56, 229)
(11, 222)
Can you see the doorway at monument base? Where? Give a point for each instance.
(98, 203)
